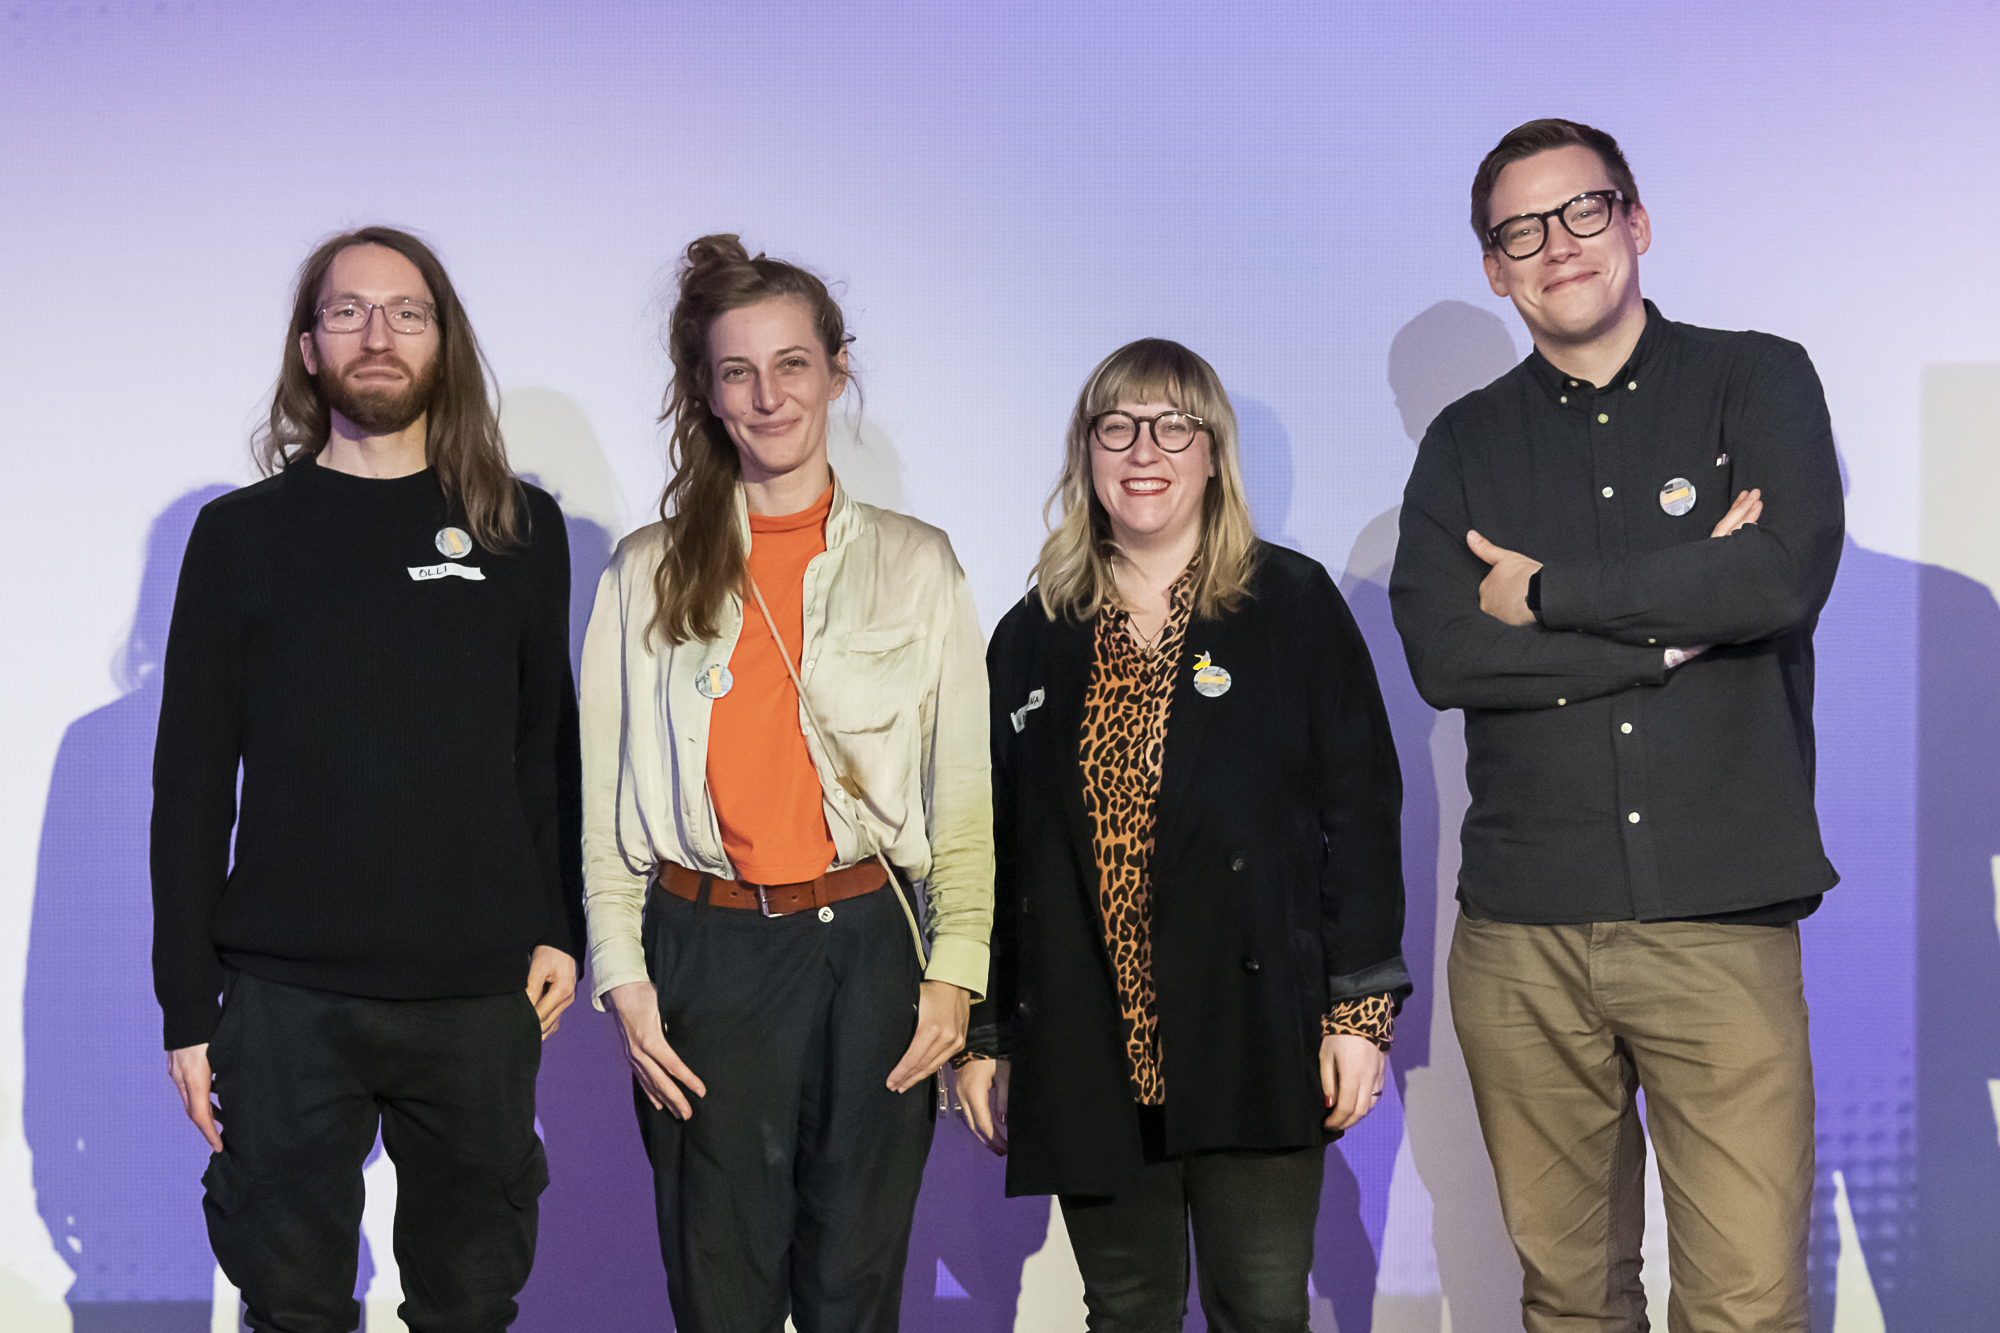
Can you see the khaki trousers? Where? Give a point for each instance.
(1560, 1025)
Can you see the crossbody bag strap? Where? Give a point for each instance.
(849, 789)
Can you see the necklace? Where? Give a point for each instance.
(1148, 643)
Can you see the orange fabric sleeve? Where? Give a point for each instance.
(760, 775)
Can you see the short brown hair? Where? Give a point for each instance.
(1538, 136)
(463, 444)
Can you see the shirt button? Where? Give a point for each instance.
(1625, 727)
(1235, 863)
(1602, 418)
(1250, 965)
(1561, 703)
(1631, 384)
(1607, 492)
(1563, 399)
(1632, 818)
(1572, 384)
(1652, 641)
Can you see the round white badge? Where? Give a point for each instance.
(453, 542)
(1210, 679)
(713, 681)
(1677, 496)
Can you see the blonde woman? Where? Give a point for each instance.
(767, 976)
(1199, 901)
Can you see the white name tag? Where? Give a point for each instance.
(449, 569)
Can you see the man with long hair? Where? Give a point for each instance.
(375, 637)
(1612, 558)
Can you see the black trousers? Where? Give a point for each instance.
(1252, 1214)
(792, 1187)
(303, 1078)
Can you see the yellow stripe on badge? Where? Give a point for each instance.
(1677, 497)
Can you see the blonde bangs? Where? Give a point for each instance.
(1077, 571)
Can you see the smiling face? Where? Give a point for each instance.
(1153, 497)
(1574, 292)
(771, 382)
(379, 380)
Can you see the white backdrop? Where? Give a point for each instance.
(1002, 194)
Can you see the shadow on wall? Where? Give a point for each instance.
(1953, 1281)
(1389, 1250)
(597, 1261)
(1445, 352)
(1908, 945)
(117, 1166)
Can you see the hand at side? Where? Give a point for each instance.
(660, 1072)
(188, 1068)
(1351, 1070)
(943, 1011)
(551, 985)
(982, 1088)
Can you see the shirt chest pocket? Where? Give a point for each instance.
(870, 678)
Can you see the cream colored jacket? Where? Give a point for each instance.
(894, 666)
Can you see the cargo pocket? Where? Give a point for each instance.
(530, 1180)
(224, 1185)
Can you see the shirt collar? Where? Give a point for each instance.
(1572, 393)
(843, 521)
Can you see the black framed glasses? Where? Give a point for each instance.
(348, 315)
(1115, 432)
(1586, 215)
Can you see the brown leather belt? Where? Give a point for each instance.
(773, 899)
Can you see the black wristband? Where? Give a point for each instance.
(1535, 596)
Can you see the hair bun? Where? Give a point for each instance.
(722, 250)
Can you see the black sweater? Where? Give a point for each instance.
(407, 745)
(1605, 787)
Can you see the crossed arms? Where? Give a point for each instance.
(1459, 600)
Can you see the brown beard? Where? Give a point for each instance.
(379, 412)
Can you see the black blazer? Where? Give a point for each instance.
(1277, 883)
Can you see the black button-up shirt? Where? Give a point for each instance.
(1606, 787)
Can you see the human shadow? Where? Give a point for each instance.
(1354, 1198)
(1924, 1187)
(1908, 674)
(1954, 1282)
(115, 1160)
(597, 1257)
(1445, 352)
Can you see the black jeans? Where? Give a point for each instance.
(1253, 1215)
(303, 1077)
(792, 1187)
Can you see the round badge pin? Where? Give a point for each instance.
(453, 542)
(1210, 679)
(713, 681)
(1677, 496)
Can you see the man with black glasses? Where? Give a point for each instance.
(376, 637)
(1613, 558)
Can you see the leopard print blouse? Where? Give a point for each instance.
(1121, 749)
(1124, 736)
(1123, 740)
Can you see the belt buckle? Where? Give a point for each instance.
(764, 903)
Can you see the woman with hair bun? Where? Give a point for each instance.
(784, 718)
(1199, 905)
